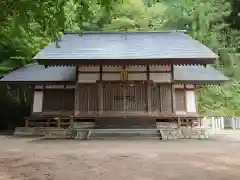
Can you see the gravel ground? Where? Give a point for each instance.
(34, 159)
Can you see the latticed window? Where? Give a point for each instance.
(58, 100)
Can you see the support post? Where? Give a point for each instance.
(233, 123)
(100, 98)
(76, 107)
(173, 91)
(179, 122)
(148, 96)
(26, 123)
(58, 122)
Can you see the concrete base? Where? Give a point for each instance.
(28, 131)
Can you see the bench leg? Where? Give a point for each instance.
(77, 135)
(48, 134)
(89, 134)
(159, 131)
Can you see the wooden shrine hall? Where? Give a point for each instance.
(127, 77)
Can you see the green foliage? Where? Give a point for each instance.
(134, 15)
(206, 21)
(27, 26)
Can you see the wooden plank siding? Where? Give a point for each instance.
(180, 99)
(154, 95)
(58, 100)
(123, 97)
(88, 97)
(161, 98)
(112, 95)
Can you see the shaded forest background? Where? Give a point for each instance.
(27, 26)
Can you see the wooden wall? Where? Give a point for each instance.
(123, 97)
(101, 89)
(185, 98)
(111, 98)
(91, 74)
(53, 98)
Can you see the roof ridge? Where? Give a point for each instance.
(123, 32)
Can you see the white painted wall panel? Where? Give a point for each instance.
(160, 77)
(137, 76)
(181, 112)
(38, 87)
(111, 68)
(189, 86)
(111, 76)
(191, 101)
(88, 77)
(136, 68)
(89, 68)
(180, 86)
(37, 101)
(159, 68)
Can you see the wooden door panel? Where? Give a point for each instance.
(161, 98)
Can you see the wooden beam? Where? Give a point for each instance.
(129, 62)
(130, 72)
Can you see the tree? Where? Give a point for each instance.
(135, 15)
(234, 18)
(27, 26)
(205, 21)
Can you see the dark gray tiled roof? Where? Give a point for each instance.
(38, 73)
(129, 45)
(198, 74)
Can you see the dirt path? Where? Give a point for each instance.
(31, 159)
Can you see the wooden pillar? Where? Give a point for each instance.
(100, 91)
(179, 122)
(100, 98)
(26, 122)
(185, 98)
(149, 99)
(76, 98)
(71, 122)
(32, 89)
(58, 122)
(173, 91)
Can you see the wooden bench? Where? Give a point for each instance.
(49, 121)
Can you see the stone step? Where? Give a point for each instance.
(82, 125)
(125, 133)
(126, 123)
(27, 131)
